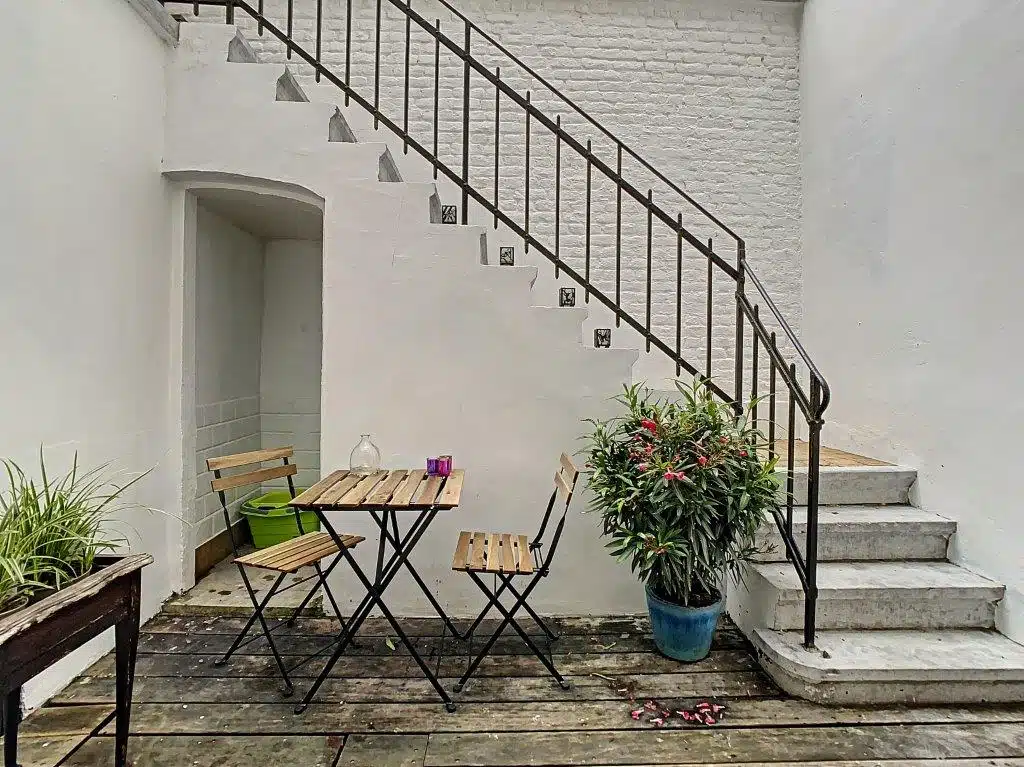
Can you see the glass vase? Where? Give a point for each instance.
(365, 457)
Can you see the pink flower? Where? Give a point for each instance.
(670, 475)
(743, 453)
(723, 440)
(649, 450)
(703, 460)
(650, 425)
(642, 466)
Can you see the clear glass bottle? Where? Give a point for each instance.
(365, 457)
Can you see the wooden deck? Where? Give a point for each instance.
(382, 714)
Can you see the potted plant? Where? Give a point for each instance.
(682, 488)
(57, 590)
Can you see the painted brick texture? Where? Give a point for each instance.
(706, 90)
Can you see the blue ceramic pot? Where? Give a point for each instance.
(682, 633)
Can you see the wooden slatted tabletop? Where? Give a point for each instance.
(398, 489)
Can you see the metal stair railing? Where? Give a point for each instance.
(792, 381)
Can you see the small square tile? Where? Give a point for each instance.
(567, 296)
(506, 256)
(449, 214)
(602, 338)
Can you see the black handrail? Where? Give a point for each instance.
(811, 400)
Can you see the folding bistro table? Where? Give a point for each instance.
(384, 494)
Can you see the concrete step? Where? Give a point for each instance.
(853, 485)
(924, 667)
(871, 595)
(865, 533)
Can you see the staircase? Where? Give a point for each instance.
(897, 622)
(858, 603)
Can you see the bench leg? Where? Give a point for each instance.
(12, 717)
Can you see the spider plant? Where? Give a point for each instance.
(52, 529)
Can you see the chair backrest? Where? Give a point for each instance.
(565, 485)
(251, 476)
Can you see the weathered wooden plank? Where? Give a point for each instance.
(808, 744)
(508, 555)
(47, 750)
(426, 494)
(476, 554)
(100, 689)
(407, 490)
(401, 666)
(206, 751)
(564, 716)
(254, 477)
(383, 492)
(861, 763)
(383, 751)
(563, 487)
(412, 626)
(253, 456)
(452, 493)
(310, 496)
(52, 721)
(524, 558)
(568, 466)
(79, 590)
(357, 495)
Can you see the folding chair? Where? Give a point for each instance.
(284, 558)
(507, 556)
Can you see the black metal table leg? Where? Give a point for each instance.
(12, 718)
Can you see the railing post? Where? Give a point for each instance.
(229, 12)
(741, 270)
(465, 129)
(811, 552)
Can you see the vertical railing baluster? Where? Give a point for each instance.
(811, 552)
(741, 272)
(679, 295)
(376, 70)
(405, 115)
(711, 280)
(229, 12)
(771, 398)
(650, 253)
(465, 127)
(289, 21)
(618, 237)
(259, 22)
(195, 9)
(526, 201)
(586, 249)
(791, 449)
(753, 376)
(497, 137)
(558, 190)
(319, 36)
(437, 84)
(348, 48)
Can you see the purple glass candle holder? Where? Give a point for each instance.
(444, 465)
(432, 465)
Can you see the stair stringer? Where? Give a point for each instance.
(425, 345)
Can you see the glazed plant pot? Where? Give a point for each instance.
(682, 633)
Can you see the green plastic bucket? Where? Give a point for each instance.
(272, 520)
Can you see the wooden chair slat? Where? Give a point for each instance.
(382, 493)
(293, 555)
(333, 493)
(493, 561)
(563, 488)
(569, 467)
(524, 562)
(461, 551)
(253, 456)
(452, 492)
(508, 554)
(253, 477)
(427, 493)
(308, 497)
(476, 557)
(405, 492)
(357, 495)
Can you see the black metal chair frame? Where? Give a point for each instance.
(493, 594)
(260, 606)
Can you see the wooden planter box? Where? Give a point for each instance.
(42, 633)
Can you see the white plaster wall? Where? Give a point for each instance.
(707, 90)
(229, 313)
(291, 352)
(85, 299)
(914, 183)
